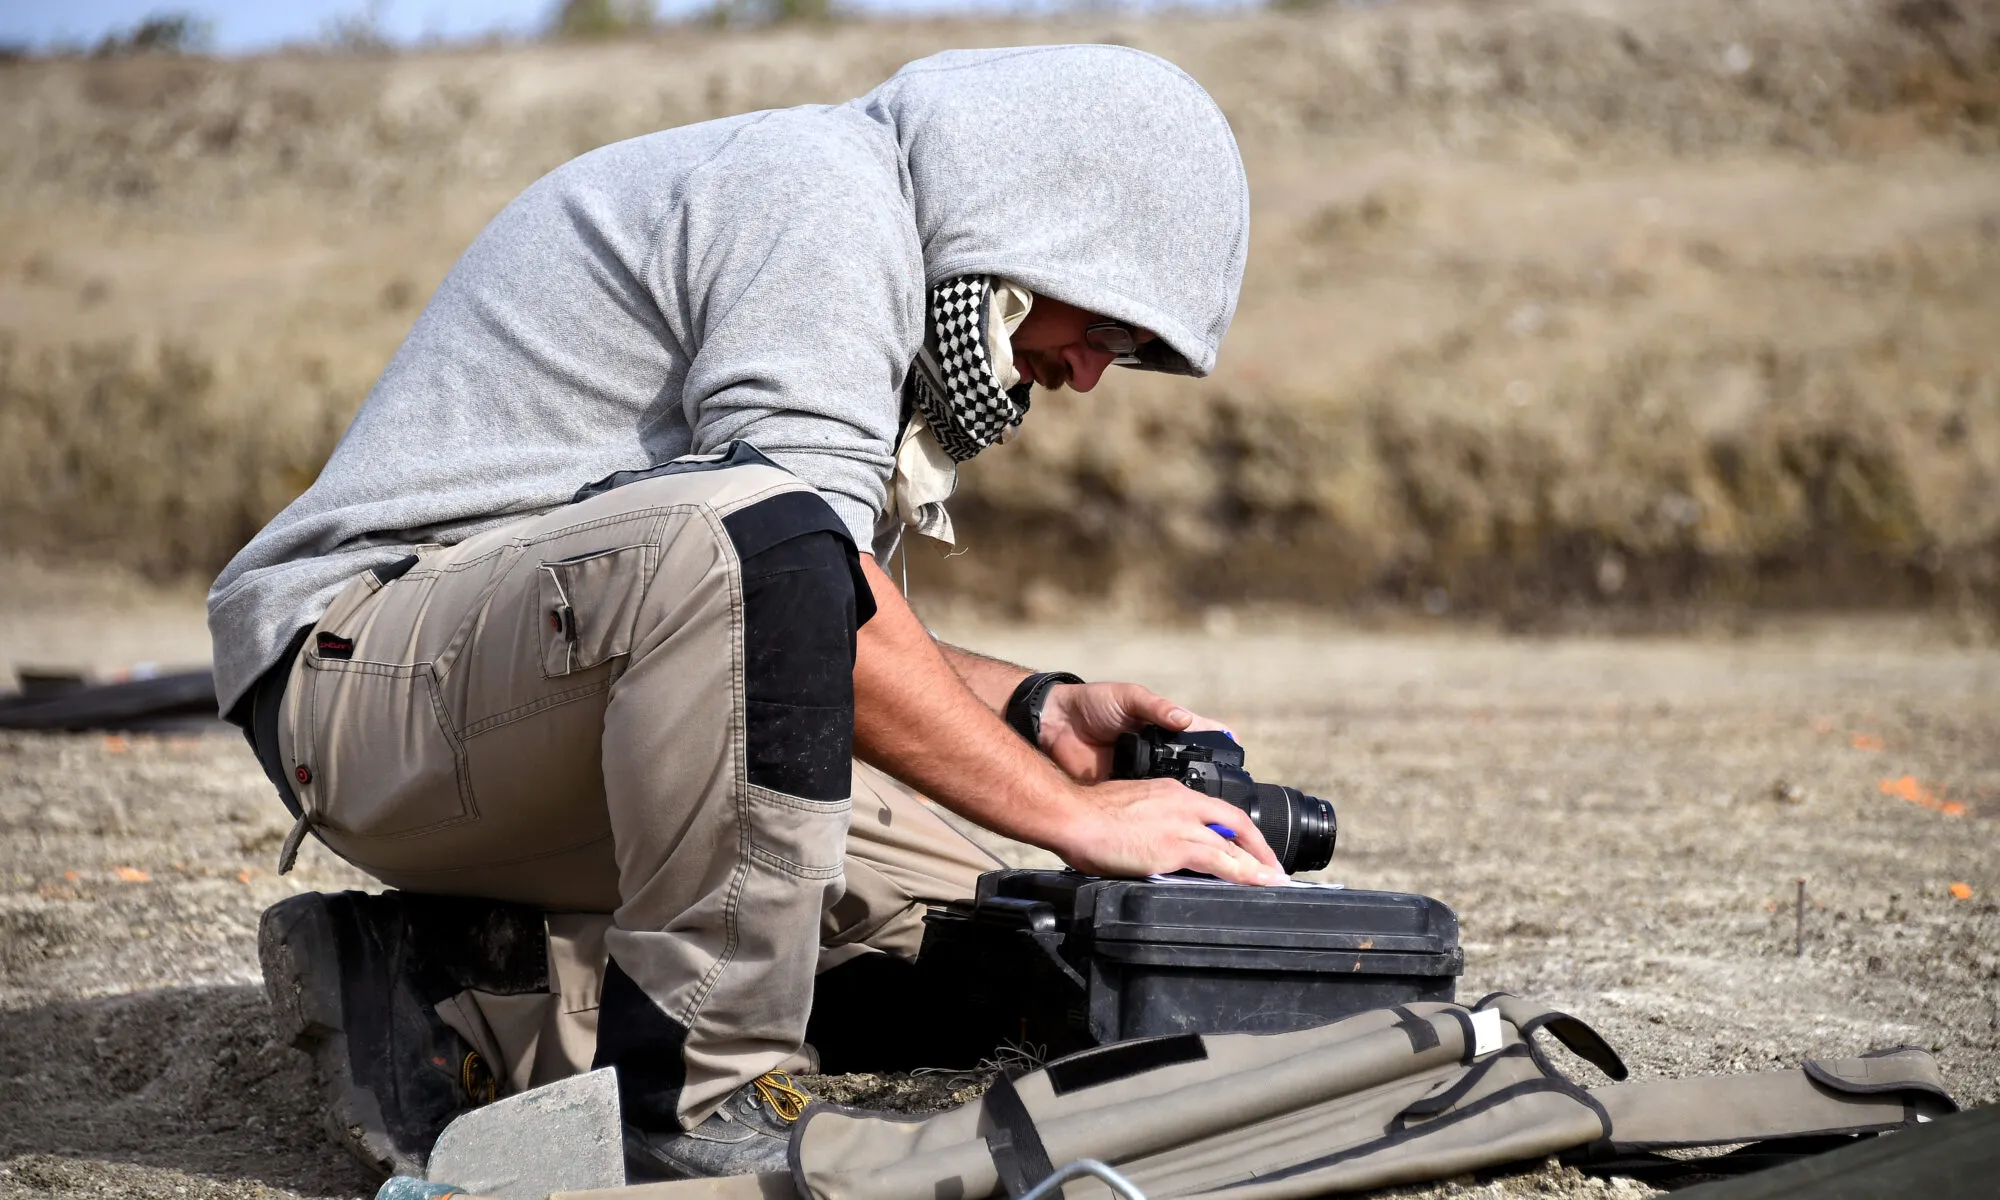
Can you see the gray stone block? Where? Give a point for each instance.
(562, 1137)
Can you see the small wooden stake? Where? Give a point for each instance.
(1799, 922)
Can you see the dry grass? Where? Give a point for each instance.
(1554, 307)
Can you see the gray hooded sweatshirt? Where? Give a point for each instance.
(761, 277)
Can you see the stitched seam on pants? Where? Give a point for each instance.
(368, 666)
(823, 807)
(447, 658)
(739, 778)
(483, 865)
(488, 724)
(453, 568)
(461, 766)
(778, 862)
(651, 512)
(776, 489)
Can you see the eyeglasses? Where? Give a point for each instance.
(1122, 342)
(1110, 337)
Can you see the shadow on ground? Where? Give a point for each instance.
(189, 1080)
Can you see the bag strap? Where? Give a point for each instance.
(1580, 1039)
(1887, 1089)
(1019, 1157)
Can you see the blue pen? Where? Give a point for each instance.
(1223, 831)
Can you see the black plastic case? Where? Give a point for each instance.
(1064, 961)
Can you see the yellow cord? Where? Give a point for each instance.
(784, 1097)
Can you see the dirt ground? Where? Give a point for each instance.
(1619, 824)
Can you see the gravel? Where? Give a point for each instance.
(1620, 825)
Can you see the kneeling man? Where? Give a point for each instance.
(585, 614)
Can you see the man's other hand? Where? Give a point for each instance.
(1138, 827)
(1081, 722)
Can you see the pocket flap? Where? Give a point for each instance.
(590, 606)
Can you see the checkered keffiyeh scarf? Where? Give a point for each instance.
(956, 389)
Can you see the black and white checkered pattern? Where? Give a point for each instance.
(955, 387)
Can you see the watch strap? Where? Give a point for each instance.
(1024, 708)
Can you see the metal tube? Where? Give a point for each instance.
(1124, 1187)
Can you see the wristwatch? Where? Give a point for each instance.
(1024, 708)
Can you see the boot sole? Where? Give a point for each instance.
(299, 952)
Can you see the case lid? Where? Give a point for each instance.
(1129, 913)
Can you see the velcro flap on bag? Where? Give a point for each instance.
(1853, 1095)
(1122, 1060)
(1904, 1069)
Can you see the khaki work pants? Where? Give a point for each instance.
(630, 706)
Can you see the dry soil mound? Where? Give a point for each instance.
(1556, 303)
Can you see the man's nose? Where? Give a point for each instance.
(1086, 367)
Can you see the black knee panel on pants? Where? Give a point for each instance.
(804, 598)
(646, 1045)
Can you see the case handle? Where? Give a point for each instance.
(1036, 919)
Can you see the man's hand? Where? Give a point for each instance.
(1139, 821)
(1081, 723)
(1158, 826)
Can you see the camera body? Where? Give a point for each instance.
(1301, 829)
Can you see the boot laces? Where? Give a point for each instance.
(784, 1098)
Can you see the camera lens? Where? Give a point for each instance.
(1301, 829)
(1318, 828)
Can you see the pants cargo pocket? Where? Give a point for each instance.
(805, 839)
(794, 873)
(590, 606)
(379, 759)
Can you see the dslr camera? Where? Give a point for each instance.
(1300, 828)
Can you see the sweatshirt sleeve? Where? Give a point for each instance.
(791, 266)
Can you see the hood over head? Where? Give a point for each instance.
(1101, 176)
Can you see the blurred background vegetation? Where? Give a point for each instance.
(170, 31)
(624, 18)
(1556, 311)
